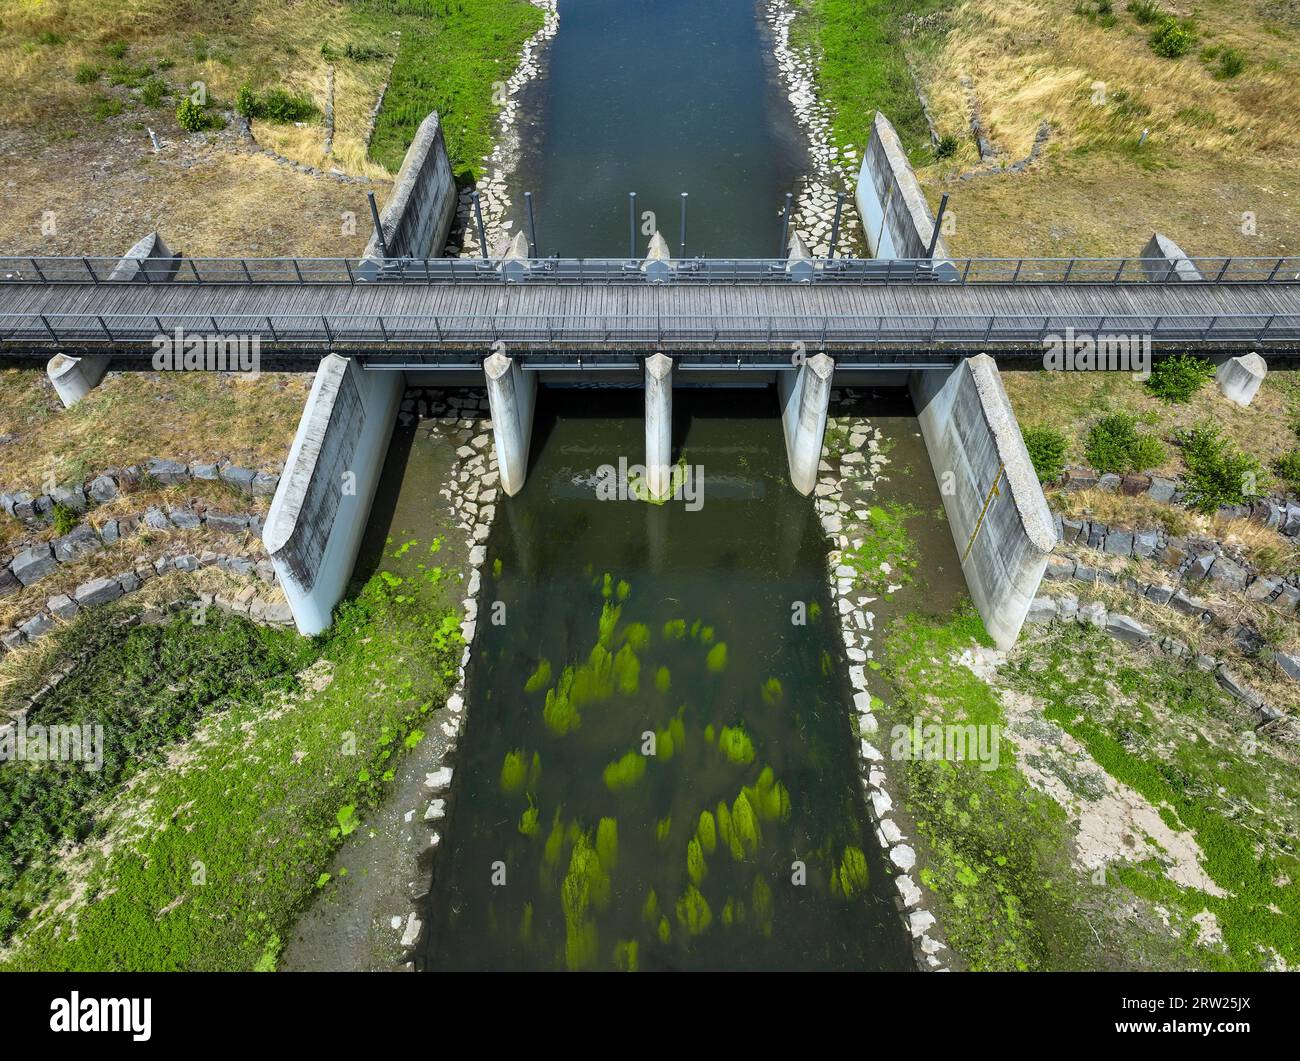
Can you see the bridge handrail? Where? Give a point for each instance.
(47, 270)
(992, 329)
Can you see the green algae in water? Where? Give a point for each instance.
(663, 680)
(528, 820)
(674, 629)
(638, 636)
(724, 823)
(623, 590)
(695, 865)
(607, 586)
(627, 671)
(586, 889)
(708, 733)
(625, 773)
(554, 844)
(769, 797)
(625, 956)
(609, 616)
(745, 831)
(663, 828)
(560, 714)
(707, 832)
(735, 745)
(607, 844)
(716, 660)
(693, 912)
(526, 924)
(514, 771)
(540, 678)
(665, 746)
(850, 879)
(650, 908)
(773, 693)
(665, 930)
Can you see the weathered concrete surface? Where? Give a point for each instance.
(511, 394)
(659, 425)
(1239, 377)
(148, 261)
(894, 211)
(319, 512)
(419, 214)
(805, 402)
(1003, 536)
(1164, 261)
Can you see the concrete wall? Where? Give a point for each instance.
(148, 261)
(888, 190)
(1163, 261)
(418, 215)
(320, 510)
(974, 442)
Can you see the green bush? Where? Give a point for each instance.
(107, 108)
(194, 118)
(1228, 63)
(946, 147)
(274, 105)
(1172, 38)
(1178, 377)
(1047, 448)
(87, 74)
(246, 102)
(153, 92)
(1288, 468)
(64, 518)
(1217, 473)
(115, 49)
(1114, 444)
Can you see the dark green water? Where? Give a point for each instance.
(658, 97)
(730, 573)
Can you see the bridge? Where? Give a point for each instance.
(450, 312)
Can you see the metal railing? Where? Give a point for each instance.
(351, 271)
(475, 330)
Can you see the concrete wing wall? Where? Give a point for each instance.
(974, 443)
(320, 510)
(888, 190)
(418, 215)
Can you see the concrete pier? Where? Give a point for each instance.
(511, 395)
(321, 507)
(1239, 377)
(659, 425)
(805, 401)
(148, 261)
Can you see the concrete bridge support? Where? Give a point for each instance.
(659, 426)
(805, 402)
(512, 393)
(1000, 521)
(321, 507)
(75, 377)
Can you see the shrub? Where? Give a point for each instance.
(246, 102)
(1172, 39)
(194, 118)
(49, 37)
(1178, 377)
(362, 53)
(281, 106)
(115, 49)
(946, 147)
(87, 74)
(1287, 467)
(107, 108)
(1047, 448)
(1217, 473)
(1229, 62)
(1114, 444)
(153, 92)
(64, 518)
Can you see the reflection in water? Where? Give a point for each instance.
(631, 626)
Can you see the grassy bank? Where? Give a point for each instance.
(236, 761)
(862, 63)
(450, 57)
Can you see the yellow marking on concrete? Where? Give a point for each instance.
(993, 492)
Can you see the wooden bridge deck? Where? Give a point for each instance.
(623, 320)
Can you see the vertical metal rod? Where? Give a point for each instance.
(785, 226)
(379, 228)
(835, 225)
(478, 220)
(682, 252)
(938, 221)
(532, 225)
(631, 225)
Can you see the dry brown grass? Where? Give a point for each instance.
(131, 417)
(1215, 149)
(1112, 507)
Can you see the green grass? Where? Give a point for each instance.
(205, 860)
(449, 57)
(862, 68)
(994, 850)
(1180, 741)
